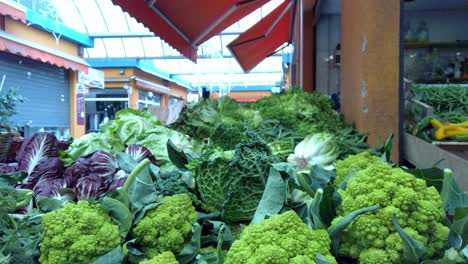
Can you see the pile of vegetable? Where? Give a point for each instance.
(226, 184)
(449, 121)
(282, 120)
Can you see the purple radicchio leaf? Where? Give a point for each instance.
(38, 147)
(91, 175)
(46, 171)
(50, 187)
(139, 153)
(118, 181)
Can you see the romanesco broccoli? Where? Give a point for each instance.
(280, 239)
(77, 233)
(371, 237)
(163, 258)
(167, 227)
(353, 163)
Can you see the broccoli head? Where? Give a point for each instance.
(280, 239)
(372, 237)
(166, 227)
(77, 233)
(163, 258)
(12, 199)
(353, 163)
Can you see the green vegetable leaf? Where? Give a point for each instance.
(116, 256)
(176, 155)
(130, 125)
(413, 250)
(458, 236)
(314, 211)
(273, 197)
(119, 213)
(48, 204)
(346, 179)
(321, 177)
(320, 259)
(88, 144)
(221, 237)
(288, 168)
(335, 230)
(142, 191)
(13, 177)
(452, 196)
(126, 162)
(305, 183)
(140, 214)
(190, 250)
(134, 254)
(387, 150)
(432, 176)
(331, 200)
(451, 256)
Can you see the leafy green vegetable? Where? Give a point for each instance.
(273, 197)
(129, 125)
(307, 112)
(235, 186)
(90, 143)
(451, 194)
(156, 141)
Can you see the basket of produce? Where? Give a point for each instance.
(439, 113)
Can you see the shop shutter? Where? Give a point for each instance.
(45, 87)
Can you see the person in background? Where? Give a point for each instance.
(205, 93)
(335, 97)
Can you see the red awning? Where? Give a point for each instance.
(25, 48)
(265, 37)
(13, 10)
(186, 24)
(152, 87)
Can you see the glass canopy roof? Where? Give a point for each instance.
(117, 35)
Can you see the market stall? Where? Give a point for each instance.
(436, 90)
(231, 178)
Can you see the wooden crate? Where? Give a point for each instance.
(423, 154)
(417, 110)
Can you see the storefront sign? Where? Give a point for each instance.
(94, 78)
(81, 91)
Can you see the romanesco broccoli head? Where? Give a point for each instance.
(163, 258)
(353, 163)
(371, 237)
(280, 239)
(167, 227)
(77, 233)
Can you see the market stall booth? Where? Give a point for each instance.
(130, 83)
(435, 68)
(41, 67)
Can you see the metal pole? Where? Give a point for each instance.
(301, 43)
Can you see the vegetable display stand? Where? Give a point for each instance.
(423, 154)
